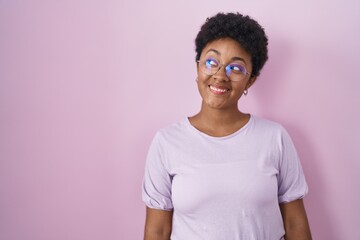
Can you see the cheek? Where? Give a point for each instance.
(239, 90)
(203, 78)
(202, 84)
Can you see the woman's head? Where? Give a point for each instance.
(246, 31)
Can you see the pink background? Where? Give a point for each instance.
(84, 85)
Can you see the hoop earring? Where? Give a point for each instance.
(246, 92)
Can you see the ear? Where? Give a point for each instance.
(251, 82)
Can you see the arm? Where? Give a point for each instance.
(295, 220)
(158, 224)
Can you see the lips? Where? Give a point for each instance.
(218, 89)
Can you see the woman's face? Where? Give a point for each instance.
(218, 91)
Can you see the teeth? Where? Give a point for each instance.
(218, 89)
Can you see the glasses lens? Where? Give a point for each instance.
(235, 71)
(210, 66)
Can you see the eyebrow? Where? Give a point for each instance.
(232, 59)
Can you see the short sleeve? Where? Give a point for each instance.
(156, 187)
(291, 180)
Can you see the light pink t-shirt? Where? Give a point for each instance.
(223, 187)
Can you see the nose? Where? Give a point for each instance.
(221, 74)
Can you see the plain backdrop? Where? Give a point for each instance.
(84, 86)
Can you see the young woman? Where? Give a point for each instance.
(225, 174)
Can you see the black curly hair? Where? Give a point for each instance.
(242, 29)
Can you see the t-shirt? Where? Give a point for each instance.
(223, 187)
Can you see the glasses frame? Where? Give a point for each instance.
(219, 67)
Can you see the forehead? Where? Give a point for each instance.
(226, 48)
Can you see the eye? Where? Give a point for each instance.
(211, 63)
(237, 68)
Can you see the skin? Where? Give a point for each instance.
(219, 116)
(295, 221)
(158, 224)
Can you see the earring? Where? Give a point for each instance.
(246, 92)
(196, 79)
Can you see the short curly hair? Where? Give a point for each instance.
(242, 29)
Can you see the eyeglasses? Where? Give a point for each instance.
(234, 71)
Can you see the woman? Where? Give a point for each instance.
(224, 174)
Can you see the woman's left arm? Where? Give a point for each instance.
(295, 220)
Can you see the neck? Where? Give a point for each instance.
(219, 122)
(220, 117)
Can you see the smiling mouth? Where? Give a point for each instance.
(218, 90)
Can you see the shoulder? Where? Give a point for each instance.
(174, 130)
(268, 130)
(273, 131)
(266, 125)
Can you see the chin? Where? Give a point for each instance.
(215, 105)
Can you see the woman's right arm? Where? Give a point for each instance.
(158, 224)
